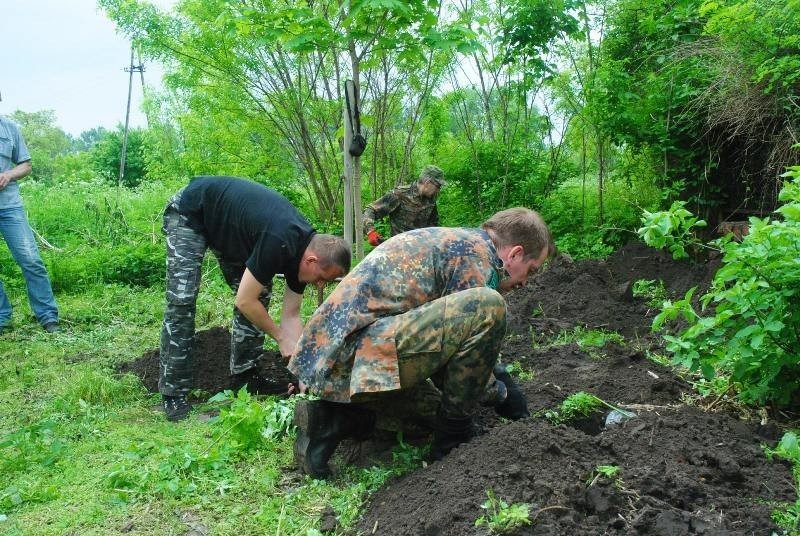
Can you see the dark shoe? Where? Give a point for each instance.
(4, 329)
(51, 327)
(257, 384)
(515, 405)
(176, 407)
(449, 434)
(321, 425)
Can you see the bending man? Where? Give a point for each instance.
(255, 233)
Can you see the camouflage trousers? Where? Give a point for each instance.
(185, 251)
(446, 350)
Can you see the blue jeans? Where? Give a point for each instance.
(19, 237)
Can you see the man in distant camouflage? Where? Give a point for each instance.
(408, 207)
(423, 305)
(255, 233)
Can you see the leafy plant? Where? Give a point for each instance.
(501, 517)
(580, 404)
(515, 368)
(673, 229)
(753, 335)
(34, 444)
(788, 448)
(651, 290)
(407, 457)
(603, 471)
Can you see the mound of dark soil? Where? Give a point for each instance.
(211, 355)
(597, 294)
(681, 470)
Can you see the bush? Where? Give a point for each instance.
(573, 212)
(754, 333)
(140, 265)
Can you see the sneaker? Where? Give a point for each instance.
(51, 327)
(176, 407)
(257, 384)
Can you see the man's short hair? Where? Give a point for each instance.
(331, 250)
(521, 226)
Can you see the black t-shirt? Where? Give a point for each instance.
(249, 223)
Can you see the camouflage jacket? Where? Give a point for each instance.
(401, 274)
(406, 210)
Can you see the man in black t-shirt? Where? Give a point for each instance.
(255, 233)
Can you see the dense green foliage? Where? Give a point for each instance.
(753, 332)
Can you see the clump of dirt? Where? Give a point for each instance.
(211, 354)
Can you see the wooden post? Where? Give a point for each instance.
(348, 176)
(352, 175)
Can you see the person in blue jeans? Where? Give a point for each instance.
(15, 164)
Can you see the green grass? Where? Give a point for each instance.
(85, 450)
(590, 341)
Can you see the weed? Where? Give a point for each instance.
(515, 368)
(502, 518)
(407, 457)
(651, 290)
(579, 405)
(788, 448)
(603, 471)
(250, 421)
(573, 407)
(716, 386)
(589, 340)
(35, 444)
(657, 358)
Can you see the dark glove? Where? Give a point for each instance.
(374, 238)
(515, 406)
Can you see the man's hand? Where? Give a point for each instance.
(515, 405)
(374, 238)
(5, 178)
(286, 346)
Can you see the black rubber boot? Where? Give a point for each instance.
(256, 383)
(176, 407)
(449, 434)
(321, 425)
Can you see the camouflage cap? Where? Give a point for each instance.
(433, 174)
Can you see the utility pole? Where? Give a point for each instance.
(132, 69)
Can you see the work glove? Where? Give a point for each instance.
(374, 238)
(515, 406)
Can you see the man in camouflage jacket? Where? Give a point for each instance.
(408, 207)
(425, 304)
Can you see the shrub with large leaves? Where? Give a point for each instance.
(753, 335)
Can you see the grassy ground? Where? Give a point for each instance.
(84, 450)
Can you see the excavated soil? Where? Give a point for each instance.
(211, 355)
(683, 469)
